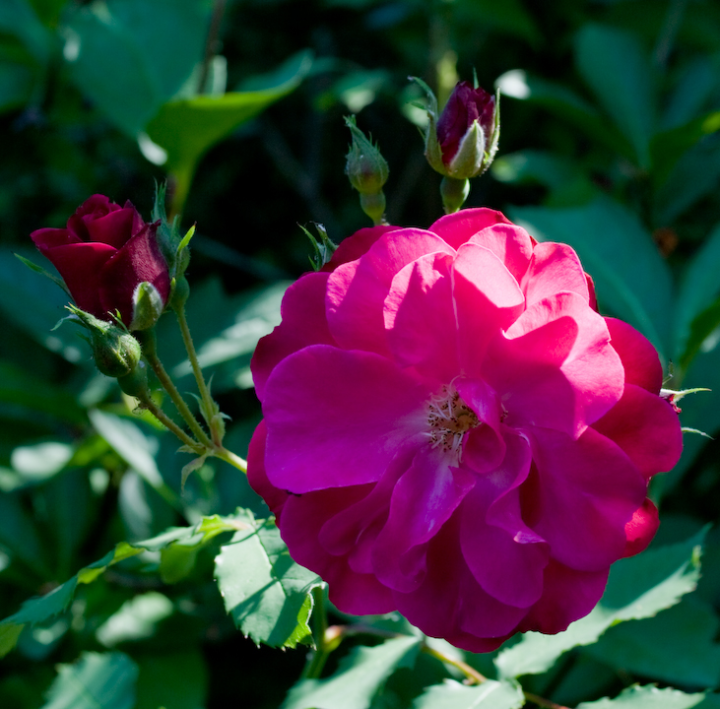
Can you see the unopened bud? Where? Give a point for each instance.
(135, 383)
(148, 306)
(116, 351)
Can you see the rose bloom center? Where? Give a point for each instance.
(449, 419)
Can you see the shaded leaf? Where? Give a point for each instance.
(264, 590)
(638, 587)
(488, 695)
(360, 676)
(676, 646)
(615, 66)
(95, 681)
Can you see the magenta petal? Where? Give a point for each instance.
(456, 229)
(641, 529)
(356, 245)
(554, 268)
(303, 323)
(422, 501)
(505, 556)
(139, 260)
(583, 496)
(487, 300)
(569, 594)
(646, 427)
(114, 229)
(511, 244)
(639, 358)
(420, 318)
(451, 604)
(555, 367)
(357, 290)
(257, 477)
(80, 265)
(357, 408)
(302, 519)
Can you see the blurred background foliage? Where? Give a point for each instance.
(609, 142)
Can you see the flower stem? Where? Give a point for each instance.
(149, 343)
(542, 702)
(470, 672)
(454, 193)
(317, 660)
(166, 421)
(229, 457)
(207, 407)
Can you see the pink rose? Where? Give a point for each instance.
(452, 430)
(105, 252)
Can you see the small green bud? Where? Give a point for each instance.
(136, 382)
(148, 306)
(454, 193)
(366, 167)
(116, 352)
(180, 293)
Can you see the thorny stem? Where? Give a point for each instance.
(166, 421)
(229, 457)
(470, 672)
(150, 352)
(208, 405)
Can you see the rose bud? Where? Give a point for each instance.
(103, 255)
(462, 141)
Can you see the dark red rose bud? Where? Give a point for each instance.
(103, 254)
(465, 106)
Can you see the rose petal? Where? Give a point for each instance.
(303, 323)
(357, 408)
(639, 358)
(646, 427)
(80, 266)
(511, 244)
(357, 290)
(422, 501)
(641, 529)
(303, 517)
(456, 229)
(568, 594)
(420, 318)
(580, 496)
(47, 239)
(356, 245)
(257, 477)
(554, 268)
(114, 229)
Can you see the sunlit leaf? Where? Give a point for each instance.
(264, 590)
(488, 695)
(653, 698)
(360, 676)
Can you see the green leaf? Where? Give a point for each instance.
(676, 646)
(568, 183)
(35, 304)
(95, 681)
(617, 69)
(136, 619)
(488, 695)
(18, 18)
(38, 610)
(654, 698)
(264, 590)
(632, 280)
(638, 587)
(670, 145)
(130, 56)
(360, 676)
(699, 290)
(565, 104)
(700, 329)
(186, 128)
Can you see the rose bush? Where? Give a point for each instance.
(103, 255)
(453, 431)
